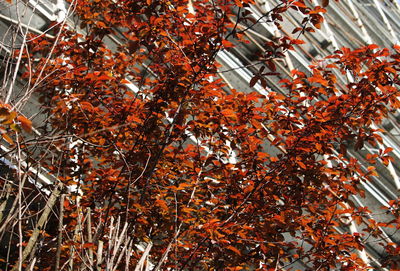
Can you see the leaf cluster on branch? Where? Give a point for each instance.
(161, 164)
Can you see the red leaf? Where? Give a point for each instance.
(254, 80)
(324, 3)
(343, 149)
(296, 41)
(373, 46)
(271, 65)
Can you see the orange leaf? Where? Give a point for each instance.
(162, 204)
(387, 150)
(66, 204)
(10, 118)
(26, 123)
(104, 77)
(317, 10)
(124, 81)
(274, 159)
(227, 44)
(228, 113)
(237, 251)
(8, 139)
(302, 165)
(87, 245)
(238, 3)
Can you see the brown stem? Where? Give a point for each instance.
(60, 228)
(42, 220)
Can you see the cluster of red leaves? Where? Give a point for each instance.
(228, 180)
